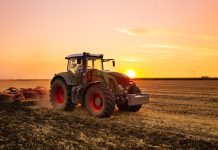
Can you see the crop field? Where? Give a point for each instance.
(182, 114)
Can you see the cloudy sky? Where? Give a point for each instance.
(156, 38)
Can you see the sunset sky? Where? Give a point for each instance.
(156, 38)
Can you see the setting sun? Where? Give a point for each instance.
(131, 73)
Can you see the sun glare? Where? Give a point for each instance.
(131, 73)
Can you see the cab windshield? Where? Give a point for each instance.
(75, 65)
(94, 63)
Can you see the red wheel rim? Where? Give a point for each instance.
(59, 95)
(96, 102)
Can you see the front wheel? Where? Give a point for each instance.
(100, 101)
(60, 96)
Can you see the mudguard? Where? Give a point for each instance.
(68, 77)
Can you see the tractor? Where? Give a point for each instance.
(87, 83)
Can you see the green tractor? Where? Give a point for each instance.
(98, 90)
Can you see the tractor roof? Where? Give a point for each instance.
(84, 55)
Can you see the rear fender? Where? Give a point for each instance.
(68, 77)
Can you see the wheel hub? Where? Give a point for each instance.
(98, 101)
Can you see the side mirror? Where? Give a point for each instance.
(113, 63)
(78, 61)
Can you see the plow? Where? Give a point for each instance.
(14, 94)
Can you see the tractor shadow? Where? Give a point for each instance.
(10, 106)
(44, 103)
(24, 105)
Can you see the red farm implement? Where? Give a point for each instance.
(23, 94)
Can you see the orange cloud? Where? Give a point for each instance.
(166, 32)
(133, 31)
(132, 59)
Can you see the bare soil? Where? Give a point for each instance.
(176, 118)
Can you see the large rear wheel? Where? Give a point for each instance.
(124, 107)
(100, 101)
(60, 96)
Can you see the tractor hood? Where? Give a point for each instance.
(122, 79)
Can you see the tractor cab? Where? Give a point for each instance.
(86, 65)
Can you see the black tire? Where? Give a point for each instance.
(100, 101)
(60, 96)
(124, 107)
